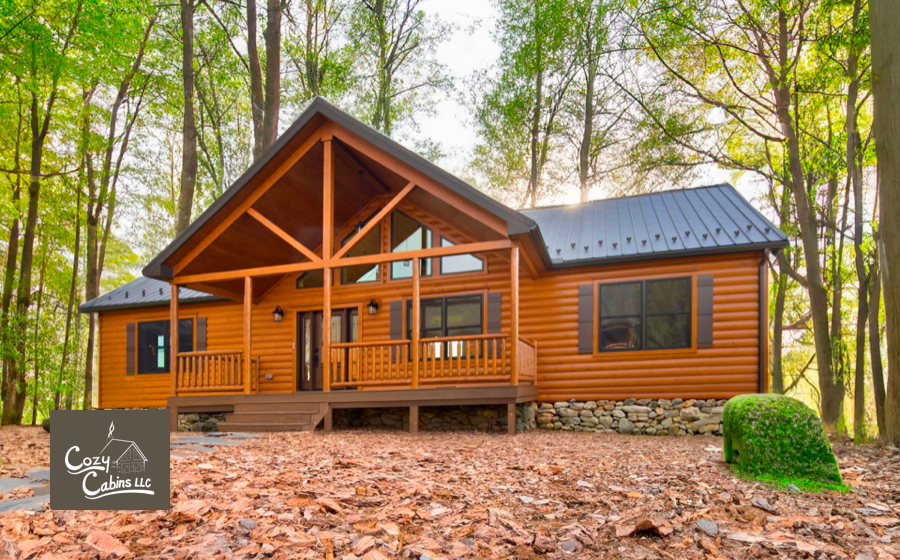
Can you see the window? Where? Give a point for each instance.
(668, 313)
(459, 263)
(408, 235)
(153, 344)
(368, 245)
(445, 317)
(645, 315)
(311, 279)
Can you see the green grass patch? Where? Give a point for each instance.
(779, 441)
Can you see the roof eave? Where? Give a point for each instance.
(773, 246)
(86, 308)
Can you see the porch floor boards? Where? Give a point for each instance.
(305, 410)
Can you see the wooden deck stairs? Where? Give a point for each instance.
(286, 416)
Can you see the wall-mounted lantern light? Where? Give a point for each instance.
(373, 307)
(278, 314)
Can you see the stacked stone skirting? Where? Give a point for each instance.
(675, 417)
(200, 422)
(484, 418)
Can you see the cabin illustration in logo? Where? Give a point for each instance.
(124, 455)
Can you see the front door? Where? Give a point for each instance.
(310, 354)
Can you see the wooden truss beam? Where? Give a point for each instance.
(434, 252)
(375, 221)
(256, 195)
(283, 235)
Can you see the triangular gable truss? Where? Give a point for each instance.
(327, 133)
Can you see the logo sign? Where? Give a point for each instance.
(109, 459)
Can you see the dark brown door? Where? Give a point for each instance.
(310, 357)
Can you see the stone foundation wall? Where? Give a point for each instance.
(675, 417)
(484, 418)
(200, 422)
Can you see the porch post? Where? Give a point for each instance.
(327, 254)
(248, 308)
(514, 315)
(326, 331)
(415, 325)
(173, 339)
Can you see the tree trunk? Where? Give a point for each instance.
(584, 154)
(272, 38)
(92, 276)
(14, 399)
(12, 255)
(71, 303)
(885, 21)
(257, 101)
(37, 331)
(189, 127)
(875, 342)
(778, 334)
(534, 177)
(832, 389)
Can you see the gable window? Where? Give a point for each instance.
(645, 315)
(153, 344)
(459, 263)
(368, 245)
(408, 235)
(447, 317)
(311, 279)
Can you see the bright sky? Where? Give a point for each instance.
(472, 48)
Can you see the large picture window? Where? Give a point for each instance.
(645, 315)
(368, 245)
(457, 264)
(446, 317)
(408, 235)
(153, 344)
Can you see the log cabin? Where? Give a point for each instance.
(344, 271)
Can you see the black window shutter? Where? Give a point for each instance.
(494, 312)
(586, 319)
(201, 334)
(129, 348)
(396, 325)
(704, 311)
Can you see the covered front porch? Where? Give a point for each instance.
(313, 232)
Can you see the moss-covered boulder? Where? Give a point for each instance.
(777, 437)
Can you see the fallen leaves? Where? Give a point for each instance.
(106, 544)
(388, 496)
(644, 527)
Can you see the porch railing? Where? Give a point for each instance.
(214, 371)
(526, 359)
(379, 363)
(472, 358)
(483, 358)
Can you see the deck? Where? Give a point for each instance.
(304, 411)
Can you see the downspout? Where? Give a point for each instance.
(763, 322)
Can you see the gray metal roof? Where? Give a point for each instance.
(143, 292)
(704, 220)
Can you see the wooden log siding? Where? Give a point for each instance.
(549, 315)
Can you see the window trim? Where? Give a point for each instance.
(407, 306)
(655, 352)
(193, 317)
